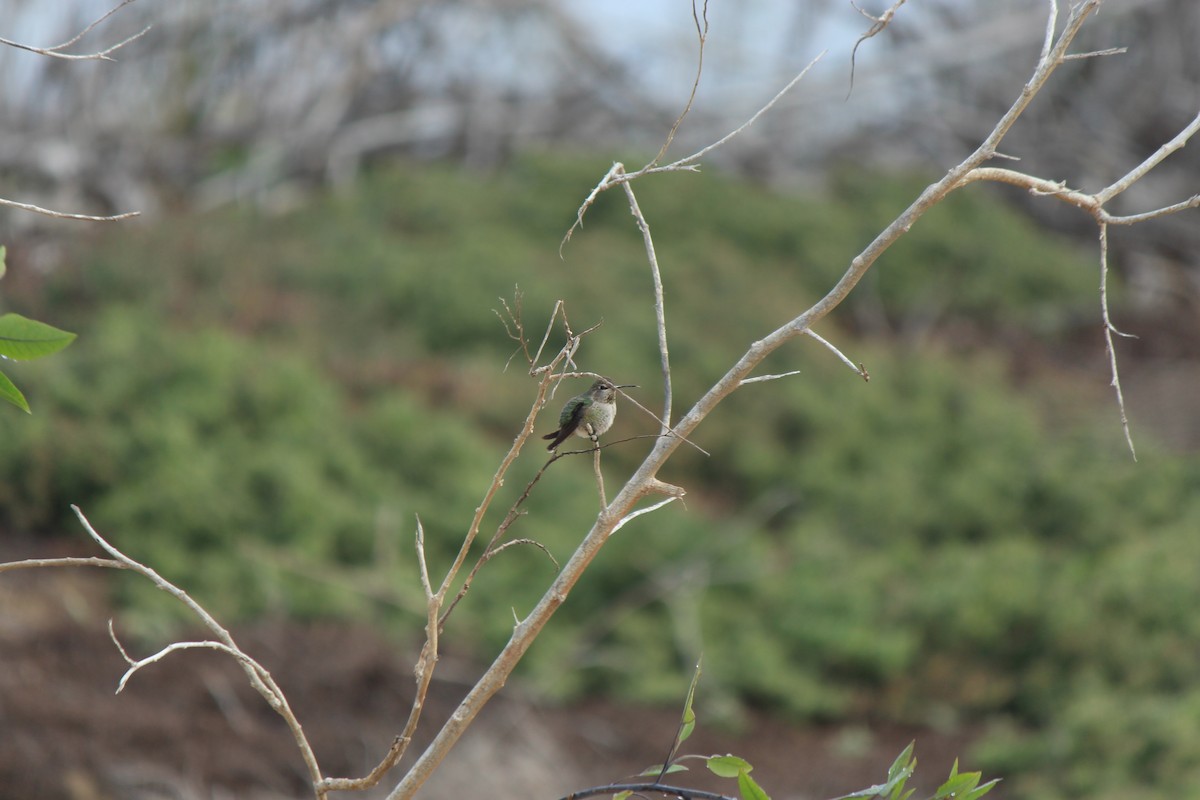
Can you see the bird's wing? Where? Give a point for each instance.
(571, 416)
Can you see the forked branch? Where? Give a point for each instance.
(644, 479)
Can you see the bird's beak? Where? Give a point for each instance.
(626, 386)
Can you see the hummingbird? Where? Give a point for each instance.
(595, 409)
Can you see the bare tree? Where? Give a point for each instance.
(643, 492)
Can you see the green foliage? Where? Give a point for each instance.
(958, 786)
(215, 452)
(290, 392)
(22, 339)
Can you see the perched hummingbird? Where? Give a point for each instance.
(596, 408)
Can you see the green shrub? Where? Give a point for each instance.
(290, 392)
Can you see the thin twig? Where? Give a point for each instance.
(616, 169)
(862, 372)
(1112, 51)
(514, 327)
(101, 55)
(1048, 37)
(63, 215)
(259, 677)
(1139, 172)
(877, 26)
(617, 175)
(41, 563)
(684, 162)
(764, 378)
(135, 665)
(639, 512)
(660, 314)
(1109, 330)
(511, 456)
(537, 357)
(491, 549)
(681, 792)
(423, 672)
(532, 542)
(1091, 203)
(667, 432)
(1133, 219)
(596, 468)
(701, 22)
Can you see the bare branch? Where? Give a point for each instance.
(877, 26)
(259, 677)
(856, 367)
(687, 161)
(1109, 330)
(63, 215)
(1133, 219)
(41, 563)
(764, 378)
(668, 431)
(660, 314)
(643, 479)
(531, 542)
(639, 512)
(423, 671)
(616, 174)
(1112, 51)
(423, 564)
(1088, 202)
(616, 169)
(558, 309)
(135, 665)
(1051, 26)
(1140, 171)
(547, 378)
(596, 469)
(100, 55)
(1094, 205)
(701, 22)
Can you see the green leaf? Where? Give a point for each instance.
(727, 766)
(12, 394)
(657, 769)
(957, 785)
(749, 790)
(901, 761)
(622, 795)
(975, 794)
(689, 716)
(878, 790)
(898, 774)
(3, 267)
(23, 339)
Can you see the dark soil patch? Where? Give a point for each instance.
(190, 726)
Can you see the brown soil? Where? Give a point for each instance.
(190, 726)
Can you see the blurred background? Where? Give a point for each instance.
(293, 352)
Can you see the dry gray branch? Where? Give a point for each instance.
(877, 26)
(56, 51)
(64, 215)
(644, 480)
(700, 19)
(259, 677)
(660, 314)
